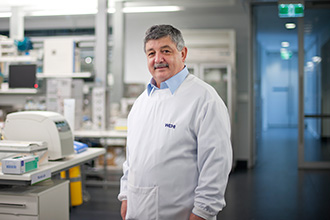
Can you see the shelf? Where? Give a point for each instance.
(19, 91)
(8, 50)
(6, 41)
(18, 59)
(64, 75)
(53, 167)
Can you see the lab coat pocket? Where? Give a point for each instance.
(142, 203)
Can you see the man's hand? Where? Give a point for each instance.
(123, 209)
(195, 217)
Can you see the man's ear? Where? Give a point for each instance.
(184, 52)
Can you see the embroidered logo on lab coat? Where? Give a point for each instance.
(168, 125)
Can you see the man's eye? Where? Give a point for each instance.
(151, 54)
(166, 51)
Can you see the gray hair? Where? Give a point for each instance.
(159, 31)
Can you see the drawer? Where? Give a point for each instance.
(19, 205)
(18, 217)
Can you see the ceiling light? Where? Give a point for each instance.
(290, 25)
(92, 10)
(310, 64)
(62, 12)
(316, 59)
(151, 9)
(285, 44)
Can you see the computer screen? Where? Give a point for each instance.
(22, 76)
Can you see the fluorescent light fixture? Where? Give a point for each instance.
(86, 11)
(285, 44)
(151, 9)
(62, 12)
(5, 14)
(290, 25)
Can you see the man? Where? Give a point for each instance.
(178, 145)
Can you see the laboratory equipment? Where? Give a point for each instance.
(47, 126)
(22, 76)
(14, 149)
(10, 146)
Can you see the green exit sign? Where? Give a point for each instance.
(286, 54)
(290, 10)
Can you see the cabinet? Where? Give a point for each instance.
(220, 77)
(212, 57)
(43, 201)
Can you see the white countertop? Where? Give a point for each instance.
(55, 166)
(100, 134)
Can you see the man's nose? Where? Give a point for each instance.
(159, 58)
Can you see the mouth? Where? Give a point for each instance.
(160, 66)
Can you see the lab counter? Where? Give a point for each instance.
(47, 170)
(107, 139)
(100, 134)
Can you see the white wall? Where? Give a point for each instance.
(136, 25)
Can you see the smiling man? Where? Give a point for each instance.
(179, 152)
(164, 59)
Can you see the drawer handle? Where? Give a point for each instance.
(12, 205)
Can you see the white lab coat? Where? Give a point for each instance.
(179, 154)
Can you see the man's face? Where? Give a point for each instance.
(164, 60)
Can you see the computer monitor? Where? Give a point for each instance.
(22, 76)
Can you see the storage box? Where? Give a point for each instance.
(20, 164)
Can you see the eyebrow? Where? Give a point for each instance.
(163, 47)
(166, 46)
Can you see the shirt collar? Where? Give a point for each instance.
(172, 83)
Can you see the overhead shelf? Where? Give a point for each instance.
(18, 91)
(65, 75)
(18, 59)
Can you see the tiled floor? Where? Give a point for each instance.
(274, 189)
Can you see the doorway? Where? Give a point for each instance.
(276, 81)
(291, 81)
(314, 81)
(280, 86)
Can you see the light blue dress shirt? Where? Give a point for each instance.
(172, 83)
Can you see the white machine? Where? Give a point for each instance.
(47, 126)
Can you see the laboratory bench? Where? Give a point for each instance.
(108, 134)
(38, 194)
(108, 168)
(51, 168)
